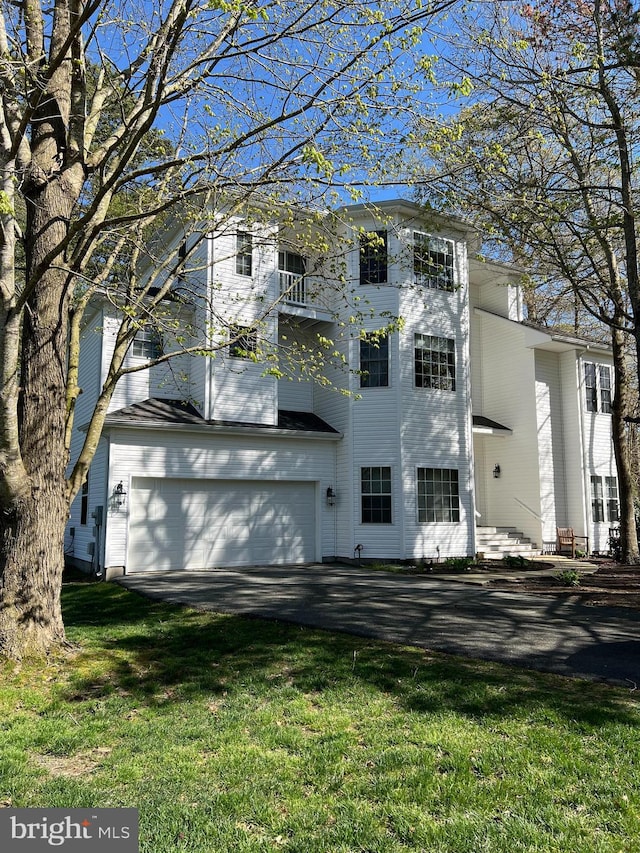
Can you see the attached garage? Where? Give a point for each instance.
(201, 524)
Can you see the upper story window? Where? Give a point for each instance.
(243, 342)
(373, 257)
(435, 362)
(597, 384)
(244, 253)
(182, 257)
(147, 344)
(432, 261)
(375, 494)
(291, 271)
(374, 361)
(438, 495)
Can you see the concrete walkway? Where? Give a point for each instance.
(543, 633)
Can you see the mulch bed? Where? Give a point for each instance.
(612, 584)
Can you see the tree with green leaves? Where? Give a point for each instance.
(544, 156)
(117, 118)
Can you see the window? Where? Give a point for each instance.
(613, 508)
(435, 363)
(590, 387)
(597, 383)
(376, 495)
(182, 257)
(432, 261)
(147, 344)
(438, 495)
(84, 502)
(373, 257)
(605, 389)
(374, 361)
(597, 501)
(243, 343)
(244, 253)
(291, 262)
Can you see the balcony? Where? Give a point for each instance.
(300, 297)
(292, 288)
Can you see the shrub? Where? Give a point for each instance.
(459, 563)
(569, 577)
(515, 561)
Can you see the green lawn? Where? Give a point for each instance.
(231, 734)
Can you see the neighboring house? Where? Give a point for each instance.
(462, 420)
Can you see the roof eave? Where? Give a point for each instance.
(219, 429)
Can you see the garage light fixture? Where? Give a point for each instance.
(331, 497)
(118, 496)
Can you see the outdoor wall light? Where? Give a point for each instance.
(331, 497)
(119, 494)
(496, 471)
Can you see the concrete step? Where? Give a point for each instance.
(498, 542)
(482, 530)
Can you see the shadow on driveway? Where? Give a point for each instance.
(524, 630)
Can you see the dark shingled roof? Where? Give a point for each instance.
(156, 410)
(481, 421)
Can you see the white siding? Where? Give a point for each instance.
(184, 455)
(239, 390)
(508, 394)
(436, 425)
(171, 380)
(599, 457)
(551, 443)
(77, 545)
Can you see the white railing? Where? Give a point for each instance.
(292, 288)
(528, 509)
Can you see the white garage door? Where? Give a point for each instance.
(201, 524)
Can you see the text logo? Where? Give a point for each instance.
(69, 830)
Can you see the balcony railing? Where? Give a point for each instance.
(292, 288)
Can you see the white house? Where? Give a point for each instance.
(461, 420)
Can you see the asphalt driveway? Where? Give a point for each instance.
(545, 634)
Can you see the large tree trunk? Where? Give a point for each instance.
(34, 517)
(33, 546)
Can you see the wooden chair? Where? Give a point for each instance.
(566, 541)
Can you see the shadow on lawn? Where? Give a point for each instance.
(158, 652)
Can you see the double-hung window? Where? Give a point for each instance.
(604, 373)
(435, 362)
(374, 361)
(432, 261)
(597, 385)
(611, 491)
(438, 495)
(375, 494)
(373, 257)
(244, 253)
(147, 344)
(597, 499)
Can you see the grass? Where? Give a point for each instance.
(232, 734)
